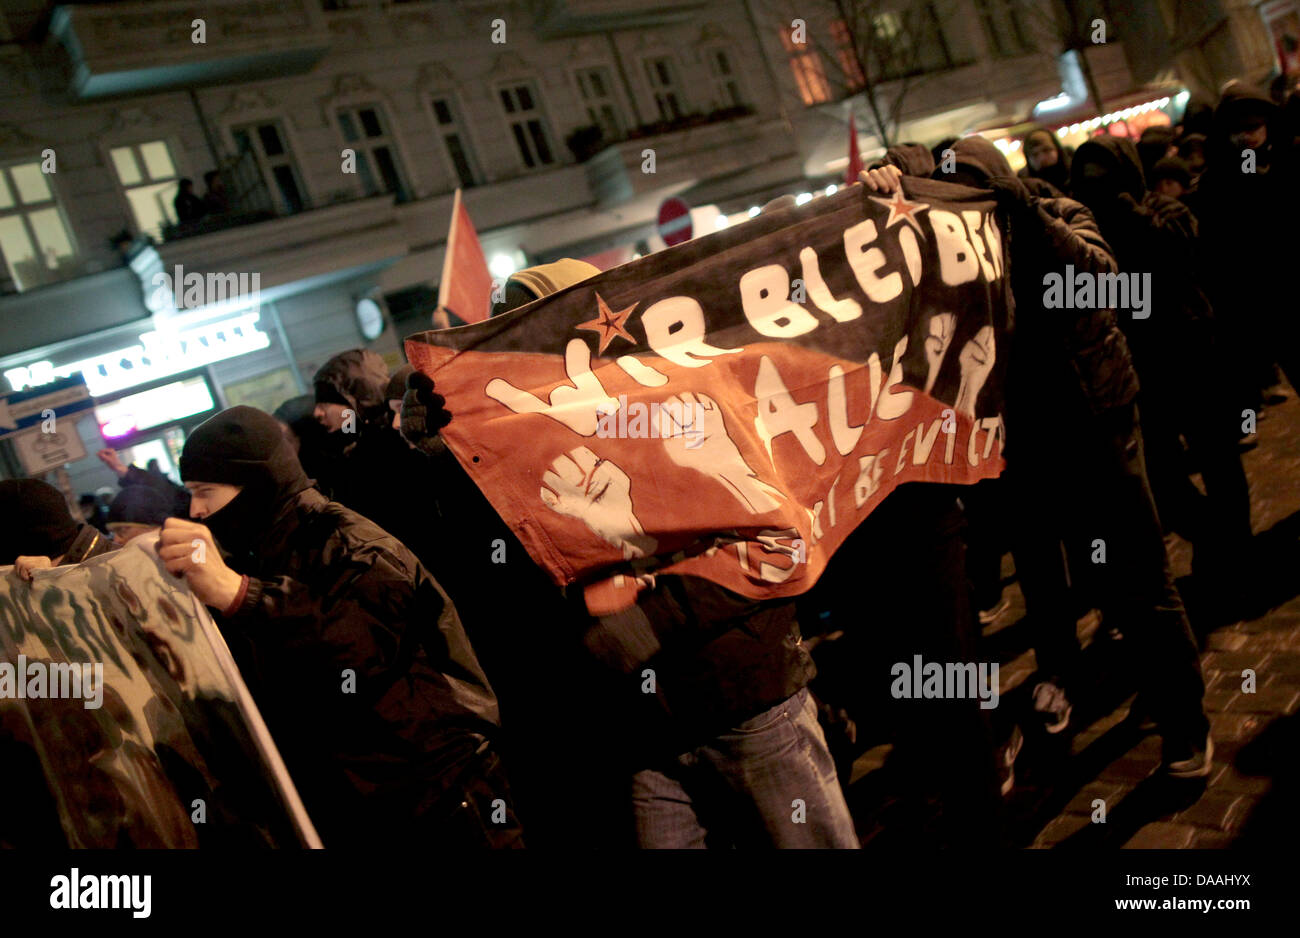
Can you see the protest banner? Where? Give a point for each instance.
(732, 408)
(124, 721)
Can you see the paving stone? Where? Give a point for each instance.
(1280, 699)
(1221, 810)
(1162, 835)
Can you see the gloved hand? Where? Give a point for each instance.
(424, 413)
(1012, 195)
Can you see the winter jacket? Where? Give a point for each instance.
(1064, 361)
(1151, 234)
(403, 754)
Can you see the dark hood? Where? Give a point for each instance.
(912, 158)
(1123, 171)
(244, 446)
(37, 521)
(1058, 175)
(979, 158)
(1238, 101)
(358, 378)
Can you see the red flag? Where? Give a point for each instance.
(855, 156)
(466, 287)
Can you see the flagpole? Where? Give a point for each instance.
(440, 313)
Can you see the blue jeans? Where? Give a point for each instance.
(768, 782)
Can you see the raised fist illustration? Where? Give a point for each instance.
(942, 326)
(695, 437)
(976, 361)
(597, 493)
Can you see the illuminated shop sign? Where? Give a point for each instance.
(153, 408)
(159, 354)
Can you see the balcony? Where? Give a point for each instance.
(686, 157)
(557, 18)
(132, 48)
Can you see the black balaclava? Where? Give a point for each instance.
(244, 446)
(37, 522)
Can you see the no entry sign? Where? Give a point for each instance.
(674, 221)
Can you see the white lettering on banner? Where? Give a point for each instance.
(158, 355)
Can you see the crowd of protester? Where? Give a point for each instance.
(497, 711)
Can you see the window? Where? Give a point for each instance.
(270, 147)
(148, 177)
(33, 235)
(806, 65)
(524, 118)
(847, 53)
(726, 83)
(454, 138)
(663, 85)
(598, 98)
(367, 134)
(1003, 25)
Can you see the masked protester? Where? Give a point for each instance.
(376, 473)
(353, 652)
(1101, 473)
(1249, 194)
(38, 531)
(1174, 345)
(730, 736)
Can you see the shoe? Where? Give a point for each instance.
(1275, 396)
(1248, 442)
(1197, 766)
(991, 615)
(1089, 620)
(1052, 707)
(1006, 756)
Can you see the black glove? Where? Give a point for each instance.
(424, 413)
(1012, 195)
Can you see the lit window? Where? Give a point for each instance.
(850, 65)
(147, 174)
(806, 66)
(34, 237)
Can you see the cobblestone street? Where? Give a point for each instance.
(1250, 796)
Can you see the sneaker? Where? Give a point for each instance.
(1248, 442)
(1051, 706)
(1197, 766)
(1274, 396)
(1089, 620)
(988, 616)
(1006, 756)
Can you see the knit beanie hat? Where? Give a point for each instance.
(36, 523)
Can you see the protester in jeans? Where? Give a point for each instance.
(352, 651)
(720, 743)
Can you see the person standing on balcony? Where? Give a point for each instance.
(215, 199)
(189, 207)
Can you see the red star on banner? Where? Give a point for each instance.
(900, 209)
(609, 323)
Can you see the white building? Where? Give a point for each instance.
(342, 129)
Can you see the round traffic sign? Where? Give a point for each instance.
(674, 221)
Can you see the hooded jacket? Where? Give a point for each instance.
(357, 378)
(1057, 175)
(331, 599)
(1063, 360)
(1150, 234)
